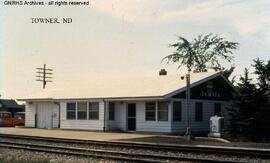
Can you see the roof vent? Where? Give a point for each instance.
(162, 72)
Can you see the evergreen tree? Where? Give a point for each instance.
(250, 111)
(262, 99)
(240, 111)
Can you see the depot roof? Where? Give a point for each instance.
(125, 88)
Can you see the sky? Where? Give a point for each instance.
(121, 38)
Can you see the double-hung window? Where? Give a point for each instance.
(177, 111)
(82, 110)
(71, 111)
(111, 111)
(198, 111)
(93, 110)
(217, 109)
(162, 111)
(150, 111)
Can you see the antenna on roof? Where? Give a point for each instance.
(43, 75)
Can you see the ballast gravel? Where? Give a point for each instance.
(22, 156)
(146, 151)
(11, 155)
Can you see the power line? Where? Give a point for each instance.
(43, 75)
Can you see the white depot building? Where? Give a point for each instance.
(147, 104)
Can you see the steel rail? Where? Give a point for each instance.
(75, 153)
(251, 152)
(104, 154)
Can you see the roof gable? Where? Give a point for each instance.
(216, 88)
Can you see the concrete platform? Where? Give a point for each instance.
(109, 136)
(71, 134)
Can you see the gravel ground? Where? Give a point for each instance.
(131, 150)
(22, 156)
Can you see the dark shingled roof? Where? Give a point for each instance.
(9, 103)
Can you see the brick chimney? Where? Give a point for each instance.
(162, 72)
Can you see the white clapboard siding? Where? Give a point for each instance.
(30, 111)
(63, 113)
(198, 126)
(56, 115)
(109, 124)
(121, 116)
(82, 124)
(151, 126)
(47, 115)
(180, 126)
(45, 107)
(119, 122)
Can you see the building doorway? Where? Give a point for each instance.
(131, 117)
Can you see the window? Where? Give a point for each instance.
(217, 109)
(111, 111)
(162, 111)
(150, 111)
(177, 111)
(198, 111)
(94, 111)
(71, 110)
(82, 110)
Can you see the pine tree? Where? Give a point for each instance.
(250, 110)
(262, 98)
(240, 111)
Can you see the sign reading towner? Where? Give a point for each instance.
(215, 89)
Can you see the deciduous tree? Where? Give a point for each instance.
(202, 53)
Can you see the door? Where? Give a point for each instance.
(131, 117)
(44, 116)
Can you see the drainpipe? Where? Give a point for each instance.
(36, 120)
(36, 110)
(104, 124)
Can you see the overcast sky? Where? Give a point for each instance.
(121, 38)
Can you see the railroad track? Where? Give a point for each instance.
(124, 156)
(104, 154)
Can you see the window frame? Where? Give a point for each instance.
(219, 108)
(77, 110)
(158, 111)
(174, 115)
(75, 115)
(89, 111)
(152, 111)
(111, 118)
(199, 111)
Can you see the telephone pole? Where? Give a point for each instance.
(188, 135)
(43, 75)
